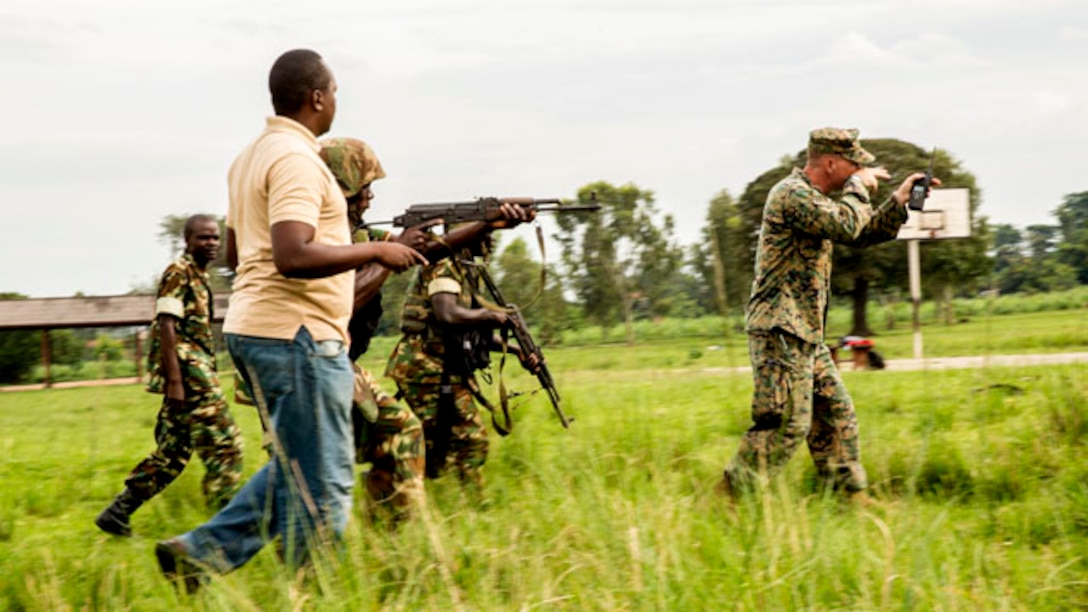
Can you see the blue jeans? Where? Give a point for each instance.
(303, 389)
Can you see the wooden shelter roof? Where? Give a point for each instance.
(103, 311)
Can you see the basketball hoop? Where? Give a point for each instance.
(947, 214)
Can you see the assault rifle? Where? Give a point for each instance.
(481, 209)
(525, 342)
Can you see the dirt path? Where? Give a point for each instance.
(954, 363)
(958, 363)
(76, 383)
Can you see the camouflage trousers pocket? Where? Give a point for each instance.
(773, 380)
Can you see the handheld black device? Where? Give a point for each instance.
(920, 189)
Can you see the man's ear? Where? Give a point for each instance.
(829, 165)
(317, 100)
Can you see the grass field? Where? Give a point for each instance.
(981, 473)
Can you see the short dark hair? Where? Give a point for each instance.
(295, 74)
(193, 221)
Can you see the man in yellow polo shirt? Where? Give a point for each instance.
(288, 236)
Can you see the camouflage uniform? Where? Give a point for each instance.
(388, 435)
(204, 423)
(454, 433)
(799, 394)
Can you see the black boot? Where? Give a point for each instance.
(114, 519)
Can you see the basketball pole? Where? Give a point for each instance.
(914, 271)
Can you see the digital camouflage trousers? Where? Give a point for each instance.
(453, 428)
(798, 396)
(389, 437)
(202, 424)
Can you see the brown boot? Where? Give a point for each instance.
(726, 489)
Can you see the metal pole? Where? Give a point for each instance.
(914, 269)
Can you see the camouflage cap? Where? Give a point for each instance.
(352, 162)
(839, 141)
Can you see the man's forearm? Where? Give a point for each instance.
(368, 282)
(317, 260)
(171, 369)
(884, 224)
(455, 240)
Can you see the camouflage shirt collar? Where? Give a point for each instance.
(189, 263)
(800, 173)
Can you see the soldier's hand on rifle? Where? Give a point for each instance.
(397, 257)
(498, 318)
(532, 362)
(418, 235)
(902, 192)
(512, 216)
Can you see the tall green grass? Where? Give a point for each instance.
(981, 475)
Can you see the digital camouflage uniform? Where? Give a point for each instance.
(799, 394)
(204, 424)
(455, 434)
(388, 435)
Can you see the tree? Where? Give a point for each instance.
(1042, 241)
(65, 347)
(1073, 222)
(20, 350)
(543, 306)
(613, 255)
(720, 259)
(660, 279)
(107, 348)
(860, 271)
(1008, 255)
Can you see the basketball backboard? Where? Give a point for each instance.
(947, 214)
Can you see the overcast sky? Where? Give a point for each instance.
(115, 114)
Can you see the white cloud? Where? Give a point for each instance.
(1073, 34)
(854, 49)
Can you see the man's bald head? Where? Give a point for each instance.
(195, 221)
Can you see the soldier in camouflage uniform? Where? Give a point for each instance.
(194, 415)
(387, 435)
(799, 394)
(446, 337)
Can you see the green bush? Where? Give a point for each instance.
(107, 348)
(19, 352)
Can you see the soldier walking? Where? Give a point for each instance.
(799, 395)
(194, 415)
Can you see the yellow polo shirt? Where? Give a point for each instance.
(279, 177)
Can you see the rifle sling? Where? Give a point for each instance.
(490, 305)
